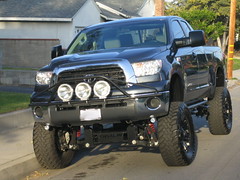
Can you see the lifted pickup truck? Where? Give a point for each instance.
(135, 81)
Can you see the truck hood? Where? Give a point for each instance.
(130, 54)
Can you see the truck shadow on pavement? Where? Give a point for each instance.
(199, 124)
(108, 148)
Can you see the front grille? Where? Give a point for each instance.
(114, 74)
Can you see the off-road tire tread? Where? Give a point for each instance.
(45, 148)
(168, 138)
(216, 121)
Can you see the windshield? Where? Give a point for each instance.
(135, 34)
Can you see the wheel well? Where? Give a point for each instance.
(220, 78)
(176, 89)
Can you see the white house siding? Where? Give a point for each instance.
(28, 44)
(88, 15)
(26, 53)
(64, 31)
(148, 9)
(36, 30)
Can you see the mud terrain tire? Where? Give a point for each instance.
(220, 112)
(177, 138)
(46, 148)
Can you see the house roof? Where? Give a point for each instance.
(64, 10)
(59, 10)
(109, 16)
(130, 7)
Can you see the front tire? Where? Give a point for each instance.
(220, 112)
(46, 145)
(177, 138)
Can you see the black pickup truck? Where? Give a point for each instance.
(137, 82)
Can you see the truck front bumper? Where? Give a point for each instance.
(137, 103)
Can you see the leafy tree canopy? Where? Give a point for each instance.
(205, 20)
(212, 16)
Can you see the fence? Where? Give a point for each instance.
(26, 53)
(18, 58)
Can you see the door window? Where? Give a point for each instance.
(177, 30)
(186, 28)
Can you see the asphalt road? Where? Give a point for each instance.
(218, 158)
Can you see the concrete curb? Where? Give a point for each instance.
(15, 119)
(19, 168)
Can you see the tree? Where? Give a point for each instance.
(218, 13)
(205, 20)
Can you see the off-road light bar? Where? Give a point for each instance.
(65, 92)
(101, 89)
(83, 91)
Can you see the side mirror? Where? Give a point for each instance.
(57, 51)
(196, 38)
(182, 42)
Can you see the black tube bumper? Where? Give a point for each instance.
(137, 103)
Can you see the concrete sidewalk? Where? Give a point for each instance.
(17, 158)
(236, 74)
(236, 79)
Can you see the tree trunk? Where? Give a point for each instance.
(223, 42)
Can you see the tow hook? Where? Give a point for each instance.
(47, 127)
(67, 137)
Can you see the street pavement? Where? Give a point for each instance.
(17, 157)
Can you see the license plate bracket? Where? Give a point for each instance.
(90, 114)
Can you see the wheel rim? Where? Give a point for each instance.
(227, 112)
(186, 138)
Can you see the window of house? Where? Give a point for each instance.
(77, 30)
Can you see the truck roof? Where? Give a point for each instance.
(136, 19)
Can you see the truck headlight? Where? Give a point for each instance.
(147, 68)
(43, 77)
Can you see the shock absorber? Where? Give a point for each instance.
(152, 132)
(151, 129)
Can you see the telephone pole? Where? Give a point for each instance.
(231, 38)
(159, 7)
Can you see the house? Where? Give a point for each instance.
(126, 9)
(29, 28)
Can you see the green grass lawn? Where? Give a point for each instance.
(13, 101)
(236, 64)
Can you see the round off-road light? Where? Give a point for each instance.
(65, 92)
(83, 91)
(101, 89)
